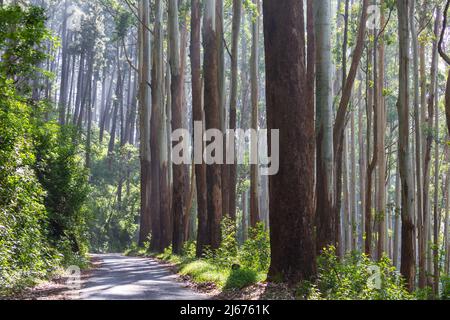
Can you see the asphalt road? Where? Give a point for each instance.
(130, 278)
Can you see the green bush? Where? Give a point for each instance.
(62, 174)
(356, 277)
(241, 278)
(190, 250)
(255, 252)
(445, 281)
(226, 255)
(24, 251)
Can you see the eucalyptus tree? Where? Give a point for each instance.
(236, 27)
(254, 170)
(177, 123)
(324, 126)
(407, 197)
(290, 109)
(425, 255)
(381, 132)
(212, 119)
(144, 120)
(197, 114)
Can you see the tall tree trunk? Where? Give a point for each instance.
(212, 120)
(254, 168)
(290, 109)
(436, 209)
(407, 252)
(118, 102)
(362, 171)
(425, 253)
(371, 109)
(104, 115)
(345, 212)
(353, 202)
(220, 36)
(64, 69)
(381, 132)
(237, 13)
(177, 123)
(418, 140)
(197, 112)
(325, 220)
(144, 121)
(397, 224)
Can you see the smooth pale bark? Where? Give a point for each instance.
(108, 103)
(72, 85)
(290, 109)
(166, 172)
(397, 223)
(421, 215)
(254, 172)
(244, 216)
(436, 204)
(236, 27)
(245, 108)
(381, 132)
(371, 131)
(117, 105)
(346, 210)
(79, 87)
(353, 203)
(85, 87)
(407, 248)
(197, 112)
(418, 146)
(177, 123)
(91, 108)
(144, 121)
(362, 168)
(159, 193)
(428, 124)
(212, 120)
(64, 69)
(324, 127)
(222, 101)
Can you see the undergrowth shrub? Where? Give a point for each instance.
(241, 278)
(226, 255)
(445, 281)
(255, 252)
(356, 277)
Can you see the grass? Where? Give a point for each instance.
(202, 271)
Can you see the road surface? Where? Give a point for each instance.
(129, 278)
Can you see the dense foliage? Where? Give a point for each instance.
(43, 184)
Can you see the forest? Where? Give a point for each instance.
(298, 146)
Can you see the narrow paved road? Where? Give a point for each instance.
(126, 278)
